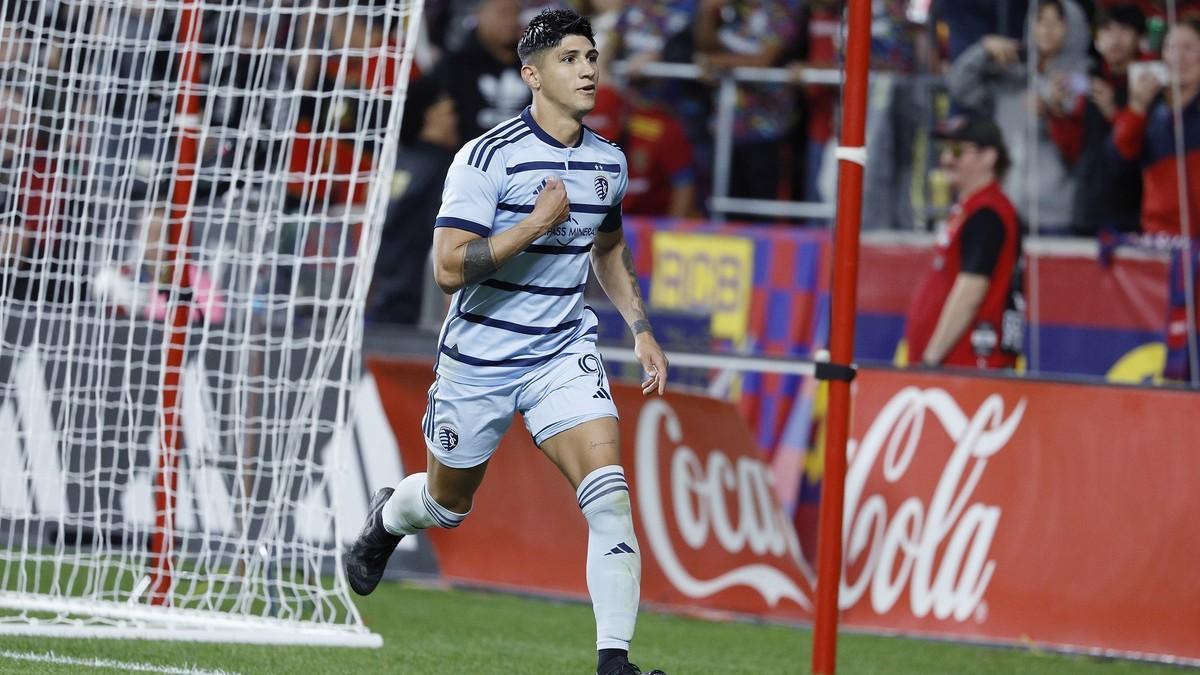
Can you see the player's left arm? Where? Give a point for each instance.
(613, 264)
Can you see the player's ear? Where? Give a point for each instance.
(532, 77)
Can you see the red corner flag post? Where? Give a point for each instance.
(845, 280)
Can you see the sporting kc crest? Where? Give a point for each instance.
(601, 184)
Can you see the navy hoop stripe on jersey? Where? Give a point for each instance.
(559, 166)
(529, 288)
(518, 327)
(575, 208)
(547, 249)
(453, 353)
(533, 308)
(462, 224)
(534, 166)
(594, 166)
(515, 208)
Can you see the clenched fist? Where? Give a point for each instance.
(552, 206)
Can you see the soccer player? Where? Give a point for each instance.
(525, 206)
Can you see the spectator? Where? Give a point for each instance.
(604, 15)
(661, 180)
(649, 31)
(968, 310)
(992, 79)
(429, 138)
(243, 106)
(483, 76)
(1108, 195)
(968, 21)
(751, 33)
(822, 20)
(1145, 131)
(892, 116)
(346, 106)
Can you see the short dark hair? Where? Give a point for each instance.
(1003, 162)
(1056, 4)
(547, 30)
(1130, 16)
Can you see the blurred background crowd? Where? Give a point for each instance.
(725, 110)
(1055, 75)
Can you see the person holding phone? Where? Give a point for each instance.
(1144, 131)
(993, 79)
(1109, 189)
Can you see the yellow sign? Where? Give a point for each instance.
(705, 273)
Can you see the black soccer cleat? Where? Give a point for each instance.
(367, 558)
(626, 668)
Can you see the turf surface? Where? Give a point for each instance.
(472, 633)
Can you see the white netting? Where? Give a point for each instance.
(278, 179)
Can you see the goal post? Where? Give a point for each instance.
(191, 198)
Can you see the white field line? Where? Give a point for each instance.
(128, 666)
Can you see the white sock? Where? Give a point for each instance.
(614, 564)
(411, 509)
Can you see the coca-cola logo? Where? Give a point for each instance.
(898, 550)
(704, 495)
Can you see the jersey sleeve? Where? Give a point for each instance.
(612, 220)
(469, 200)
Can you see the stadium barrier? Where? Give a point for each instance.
(1018, 511)
(1096, 313)
(984, 509)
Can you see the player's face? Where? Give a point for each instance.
(569, 75)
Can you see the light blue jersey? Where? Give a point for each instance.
(532, 308)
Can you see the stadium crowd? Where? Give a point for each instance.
(1075, 86)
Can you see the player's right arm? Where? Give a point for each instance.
(463, 257)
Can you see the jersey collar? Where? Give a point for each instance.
(527, 117)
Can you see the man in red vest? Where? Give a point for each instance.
(968, 310)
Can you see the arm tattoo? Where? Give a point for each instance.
(478, 261)
(640, 324)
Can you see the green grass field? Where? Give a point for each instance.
(472, 633)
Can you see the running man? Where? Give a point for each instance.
(525, 207)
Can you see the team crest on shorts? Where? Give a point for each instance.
(601, 184)
(447, 437)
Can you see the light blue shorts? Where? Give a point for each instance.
(463, 423)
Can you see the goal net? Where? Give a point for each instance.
(191, 193)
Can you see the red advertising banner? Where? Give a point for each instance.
(992, 509)
(712, 535)
(1017, 511)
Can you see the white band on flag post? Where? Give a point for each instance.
(856, 154)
